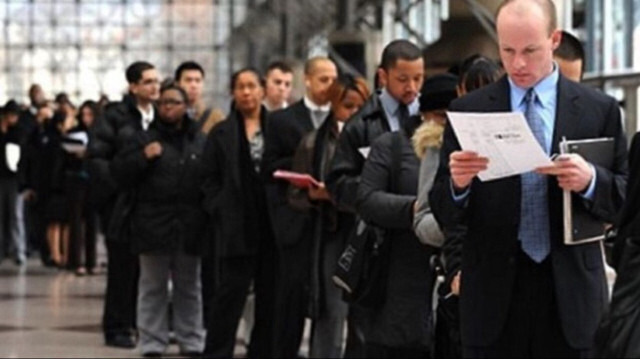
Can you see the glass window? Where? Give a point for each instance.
(84, 47)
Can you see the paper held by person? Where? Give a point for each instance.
(504, 138)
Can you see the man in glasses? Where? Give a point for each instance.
(122, 120)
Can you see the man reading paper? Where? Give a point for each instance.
(523, 292)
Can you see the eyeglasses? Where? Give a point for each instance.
(170, 102)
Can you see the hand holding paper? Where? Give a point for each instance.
(504, 139)
(464, 166)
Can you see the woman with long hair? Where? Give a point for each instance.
(331, 226)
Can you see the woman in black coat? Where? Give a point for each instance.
(402, 325)
(235, 201)
(331, 226)
(163, 166)
(83, 218)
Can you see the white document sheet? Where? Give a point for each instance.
(504, 138)
(12, 156)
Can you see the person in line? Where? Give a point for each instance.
(57, 207)
(278, 85)
(164, 168)
(236, 203)
(331, 226)
(522, 289)
(83, 217)
(121, 121)
(285, 129)
(401, 326)
(33, 214)
(617, 336)
(34, 178)
(400, 74)
(190, 76)
(570, 57)
(11, 225)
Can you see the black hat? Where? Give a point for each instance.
(438, 91)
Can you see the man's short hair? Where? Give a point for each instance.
(399, 50)
(547, 6)
(279, 65)
(135, 70)
(570, 48)
(310, 65)
(188, 66)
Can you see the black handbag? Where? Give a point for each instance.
(362, 270)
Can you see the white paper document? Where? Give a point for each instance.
(504, 138)
(12, 156)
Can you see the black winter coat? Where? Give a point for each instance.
(167, 215)
(619, 332)
(358, 133)
(120, 122)
(226, 195)
(404, 320)
(285, 129)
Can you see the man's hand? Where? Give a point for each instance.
(153, 150)
(319, 193)
(464, 166)
(573, 172)
(455, 284)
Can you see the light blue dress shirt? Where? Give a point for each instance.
(546, 91)
(391, 105)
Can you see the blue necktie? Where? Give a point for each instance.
(534, 218)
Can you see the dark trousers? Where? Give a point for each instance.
(35, 228)
(209, 281)
(235, 277)
(533, 328)
(11, 238)
(83, 223)
(119, 316)
(357, 323)
(292, 297)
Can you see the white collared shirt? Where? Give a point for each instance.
(318, 112)
(269, 108)
(147, 117)
(391, 106)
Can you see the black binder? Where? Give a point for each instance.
(580, 226)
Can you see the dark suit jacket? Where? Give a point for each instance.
(285, 129)
(492, 215)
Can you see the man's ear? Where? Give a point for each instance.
(132, 88)
(307, 81)
(383, 77)
(556, 37)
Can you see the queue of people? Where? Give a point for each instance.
(196, 221)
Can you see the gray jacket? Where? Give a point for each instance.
(424, 223)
